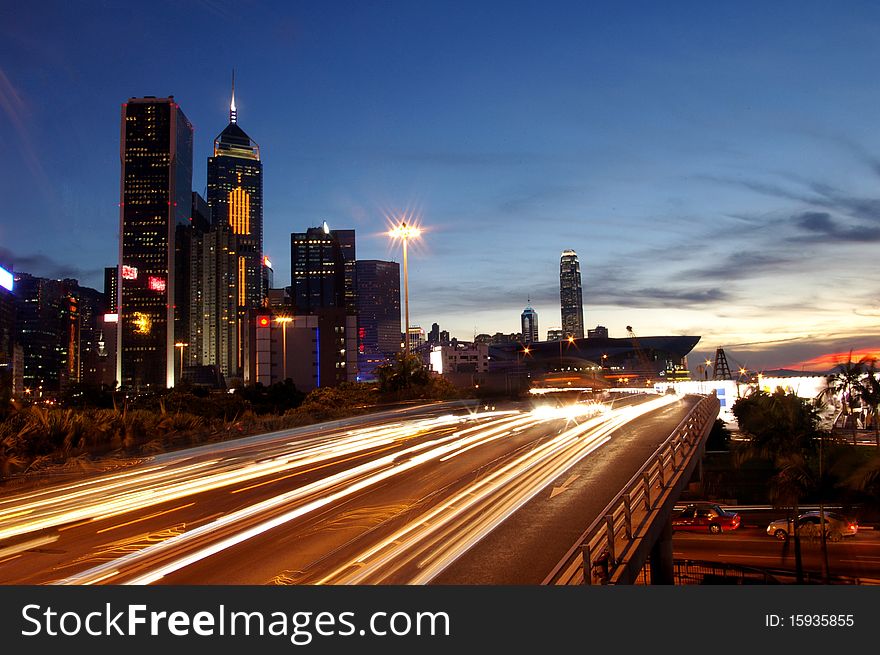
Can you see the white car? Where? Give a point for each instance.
(837, 526)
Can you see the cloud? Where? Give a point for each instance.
(44, 266)
(824, 228)
(739, 266)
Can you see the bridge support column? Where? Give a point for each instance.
(662, 569)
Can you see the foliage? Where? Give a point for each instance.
(846, 384)
(869, 394)
(405, 372)
(276, 398)
(783, 428)
(719, 437)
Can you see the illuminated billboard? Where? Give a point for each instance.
(156, 283)
(6, 280)
(129, 272)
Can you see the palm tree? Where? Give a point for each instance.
(869, 393)
(845, 384)
(782, 428)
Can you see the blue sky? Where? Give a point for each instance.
(716, 167)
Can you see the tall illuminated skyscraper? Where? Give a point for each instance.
(235, 199)
(529, 320)
(570, 295)
(156, 157)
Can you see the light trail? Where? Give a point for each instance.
(510, 486)
(478, 509)
(116, 494)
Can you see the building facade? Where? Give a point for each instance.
(235, 200)
(529, 321)
(313, 350)
(322, 263)
(570, 295)
(378, 314)
(156, 186)
(47, 328)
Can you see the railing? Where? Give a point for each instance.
(598, 555)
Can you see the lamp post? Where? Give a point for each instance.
(284, 320)
(181, 345)
(405, 232)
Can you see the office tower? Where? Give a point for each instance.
(156, 188)
(215, 314)
(529, 320)
(215, 328)
(416, 335)
(111, 287)
(235, 198)
(378, 313)
(600, 332)
(444, 337)
(321, 260)
(434, 334)
(92, 307)
(555, 334)
(570, 295)
(47, 328)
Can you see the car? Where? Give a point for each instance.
(837, 526)
(705, 517)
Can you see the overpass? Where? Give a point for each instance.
(438, 494)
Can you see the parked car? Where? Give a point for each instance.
(837, 526)
(705, 517)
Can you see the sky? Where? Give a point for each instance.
(716, 166)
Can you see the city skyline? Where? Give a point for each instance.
(764, 187)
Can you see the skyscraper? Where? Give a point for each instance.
(570, 295)
(235, 198)
(156, 183)
(529, 319)
(319, 262)
(111, 287)
(378, 313)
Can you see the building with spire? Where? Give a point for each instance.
(529, 319)
(570, 295)
(235, 200)
(228, 263)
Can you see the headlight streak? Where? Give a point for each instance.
(349, 478)
(558, 451)
(471, 526)
(116, 494)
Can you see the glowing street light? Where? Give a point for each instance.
(405, 232)
(284, 320)
(181, 345)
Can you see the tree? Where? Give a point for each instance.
(406, 371)
(783, 428)
(869, 394)
(845, 384)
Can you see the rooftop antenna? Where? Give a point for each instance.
(233, 114)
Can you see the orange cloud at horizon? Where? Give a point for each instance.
(829, 360)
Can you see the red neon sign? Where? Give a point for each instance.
(263, 321)
(156, 283)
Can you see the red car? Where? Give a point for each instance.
(705, 517)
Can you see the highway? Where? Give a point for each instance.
(854, 557)
(387, 499)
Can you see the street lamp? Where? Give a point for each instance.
(284, 320)
(181, 345)
(405, 232)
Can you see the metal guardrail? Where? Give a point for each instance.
(597, 557)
